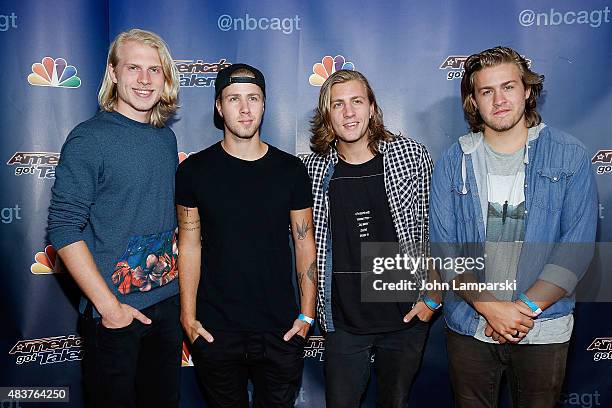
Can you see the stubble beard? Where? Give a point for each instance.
(243, 134)
(505, 127)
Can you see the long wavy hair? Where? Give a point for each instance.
(490, 58)
(168, 103)
(323, 136)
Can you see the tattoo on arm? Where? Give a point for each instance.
(189, 225)
(312, 272)
(300, 280)
(302, 229)
(189, 222)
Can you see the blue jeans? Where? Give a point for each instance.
(535, 372)
(396, 357)
(137, 365)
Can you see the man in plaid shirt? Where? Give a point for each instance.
(355, 162)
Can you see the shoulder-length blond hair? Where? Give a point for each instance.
(323, 135)
(168, 103)
(490, 58)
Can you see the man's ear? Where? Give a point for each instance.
(111, 71)
(218, 106)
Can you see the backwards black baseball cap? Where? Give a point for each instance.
(225, 79)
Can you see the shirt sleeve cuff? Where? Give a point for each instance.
(559, 276)
(60, 241)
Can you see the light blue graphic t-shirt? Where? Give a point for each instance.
(505, 236)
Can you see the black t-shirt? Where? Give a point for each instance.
(359, 212)
(246, 280)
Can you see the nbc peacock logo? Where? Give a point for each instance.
(328, 65)
(55, 73)
(182, 156)
(47, 262)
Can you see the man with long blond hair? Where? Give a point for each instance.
(369, 185)
(521, 196)
(112, 221)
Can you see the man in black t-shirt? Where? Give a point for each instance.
(369, 185)
(235, 203)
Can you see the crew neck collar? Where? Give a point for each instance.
(124, 119)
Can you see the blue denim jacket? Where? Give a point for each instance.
(560, 215)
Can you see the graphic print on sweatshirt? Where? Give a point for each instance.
(149, 261)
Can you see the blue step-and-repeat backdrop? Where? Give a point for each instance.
(412, 51)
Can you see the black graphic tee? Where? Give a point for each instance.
(246, 280)
(359, 212)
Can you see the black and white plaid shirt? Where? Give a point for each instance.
(407, 175)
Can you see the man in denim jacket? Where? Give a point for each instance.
(520, 197)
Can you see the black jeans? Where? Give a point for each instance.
(135, 366)
(273, 365)
(347, 365)
(535, 372)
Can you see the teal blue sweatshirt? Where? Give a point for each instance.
(114, 189)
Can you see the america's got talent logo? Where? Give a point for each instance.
(454, 63)
(41, 164)
(602, 347)
(199, 73)
(315, 347)
(603, 158)
(455, 66)
(48, 350)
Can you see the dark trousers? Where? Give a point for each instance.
(273, 365)
(535, 372)
(135, 366)
(347, 365)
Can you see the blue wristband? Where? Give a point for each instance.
(430, 303)
(306, 319)
(532, 305)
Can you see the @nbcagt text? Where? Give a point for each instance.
(552, 17)
(247, 22)
(8, 21)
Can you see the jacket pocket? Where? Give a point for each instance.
(549, 191)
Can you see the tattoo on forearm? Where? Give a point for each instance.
(189, 225)
(189, 222)
(186, 211)
(302, 229)
(300, 280)
(312, 272)
(189, 228)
